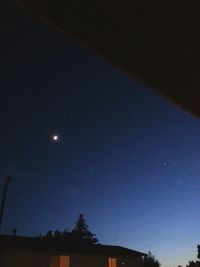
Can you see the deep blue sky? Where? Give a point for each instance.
(127, 158)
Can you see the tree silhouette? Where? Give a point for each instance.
(57, 235)
(66, 235)
(81, 232)
(49, 235)
(198, 249)
(150, 261)
(193, 264)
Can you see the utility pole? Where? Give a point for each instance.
(7, 180)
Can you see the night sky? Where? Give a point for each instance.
(126, 158)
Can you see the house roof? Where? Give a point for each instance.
(19, 242)
(155, 41)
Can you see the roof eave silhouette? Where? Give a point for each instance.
(156, 42)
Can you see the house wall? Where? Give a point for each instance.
(88, 260)
(24, 258)
(130, 261)
(31, 258)
(101, 260)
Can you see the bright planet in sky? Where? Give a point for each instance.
(103, 145)
(55, 138)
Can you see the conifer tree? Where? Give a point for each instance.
(81, 232)
(150, 261)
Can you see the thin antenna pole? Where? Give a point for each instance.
(7, 180)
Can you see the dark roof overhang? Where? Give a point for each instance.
(29, 243)
(155, 41)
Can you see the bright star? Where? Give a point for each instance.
(55, 138)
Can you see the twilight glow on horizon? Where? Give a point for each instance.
(79, 136)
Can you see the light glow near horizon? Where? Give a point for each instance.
(128, 160)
